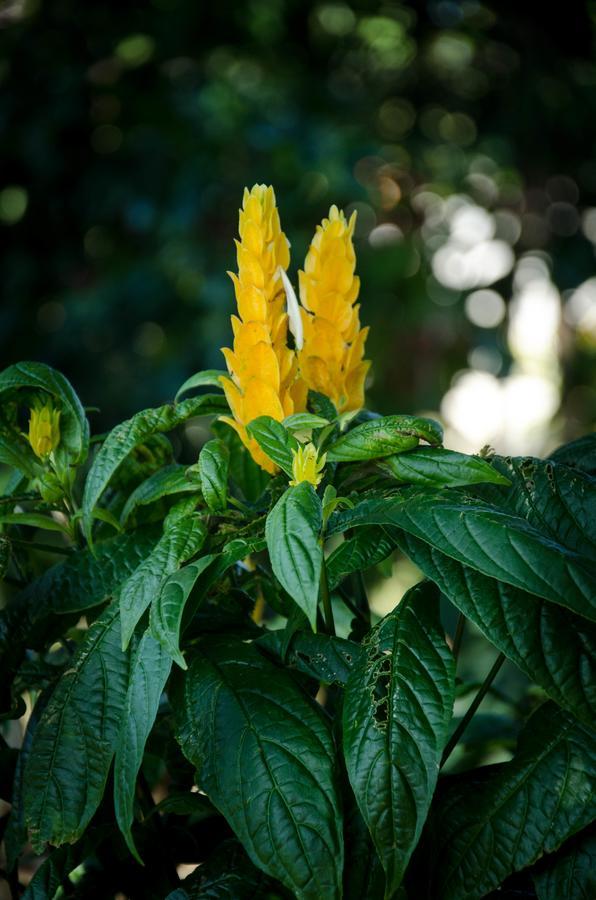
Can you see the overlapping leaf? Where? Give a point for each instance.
(266, 759)
(73, 744)
(486, 828)
(396, 713)
(383, 437)
(555, 648)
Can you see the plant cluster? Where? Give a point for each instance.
(203, 679)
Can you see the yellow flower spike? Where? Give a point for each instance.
(44, 428)
(263, 369)
(307, 465)
(331, 360)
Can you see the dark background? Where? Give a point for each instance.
(130, 129)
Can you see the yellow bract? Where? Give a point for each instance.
(264, 371)
(307, 465)
(331, 360)
(44, 429)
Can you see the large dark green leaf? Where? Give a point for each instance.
(169, 480)
(384, 436)
(486, 828)
(557, 500)
(275, 440)
(483, 537)
(51, 875)
(569, 874)
(265, 757)
(580, 454)
(397, 708)
(134, 431)
(228, 874)
(73, 744)
(438, 467)
(74, 427)
(15, 451)
(35, 616)
(293, 532)
(182, 538)
(149, 670)
(214, 461)
(555, 648)
(168, 607)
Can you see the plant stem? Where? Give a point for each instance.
(459, 633)
(326, 600)
(451, 743)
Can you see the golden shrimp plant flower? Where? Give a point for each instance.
(263, 369)
(44, 428)
(307, 465)
(331, 359)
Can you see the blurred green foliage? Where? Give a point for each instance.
(130, 129)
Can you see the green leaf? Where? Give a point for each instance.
(51, 875)
(557, 500)
(275, 440)
(396, 713)
(363, 873)
(36, 616)
(168, 607)
(149, 670)
(368, 547)
(488, 828)
(214, 461)
(207, 378)
(182, 538)
(228, 874)
(483, 537)
(170, 480)
(73, 744)
(304, 421)
(580, 454)
(35, 520)
(571, 872)
(247, 476)
(74, 427)
(383, 437)
(15, 835)
(293, 532)
(134, 431)
(265, 757)
(324, 657)
(437, 466)
(15, 451)
(555, 649)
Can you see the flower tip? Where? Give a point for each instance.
(294, 317)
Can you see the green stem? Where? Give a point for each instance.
(459, 633)
(451, 743)
(326, 601)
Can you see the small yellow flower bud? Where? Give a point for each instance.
(307, 465)
(44, 429)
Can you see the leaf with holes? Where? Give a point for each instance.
(265, 757)
(579, 454)
(322, 656)
(293, 532)
(485, 538)
(134, 431)
(487, 828)
(73, 745)
(396, 713)
(149, 670)
(382, 437)
(214, 461)
(555, 648)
